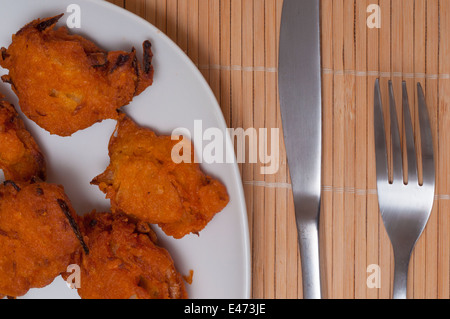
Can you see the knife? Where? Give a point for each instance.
(301, 110)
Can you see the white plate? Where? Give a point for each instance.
(220, 256)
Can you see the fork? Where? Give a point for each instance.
(405, 205)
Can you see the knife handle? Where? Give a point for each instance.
(308, 237)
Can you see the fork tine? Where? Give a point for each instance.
(427, 139)
(380, 136)
(395, 133)
(410, 147)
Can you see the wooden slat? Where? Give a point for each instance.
(444, 153)
(182, 25)
(225, 60)
(337, 289)
(261, 274)
(172, 22)
(431, 91)
(193, 31)
(136, 6)
(349, 149)
(203, 37)
(161, 15)
(270, 122)
(235, 45)
(150, 11)
(236, 60)
(214, 47)
(360, 265)
(247, 119)
(372, 216)
(327, 145)
(119, 3)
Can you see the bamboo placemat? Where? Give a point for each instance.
(235, 45)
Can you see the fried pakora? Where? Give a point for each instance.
(143, 181)
(65, 83)
(39, 235)
(20, 156)
(124, 261)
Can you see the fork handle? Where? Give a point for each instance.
(401, 275)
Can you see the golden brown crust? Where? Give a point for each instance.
(65, 83)
(143, 181)
(20, 157)
(125, 262)
(36, 239)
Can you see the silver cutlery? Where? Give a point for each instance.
(405, 206)
(301, 109)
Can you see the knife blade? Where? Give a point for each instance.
(300, 91)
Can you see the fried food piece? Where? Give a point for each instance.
(38, 235)
(143, 181)
(124, 261)
(20, 157)
(65, 83)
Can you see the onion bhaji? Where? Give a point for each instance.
(20, 156)
(124, 262)
(39, 235)
(65, 83)
(143, 181)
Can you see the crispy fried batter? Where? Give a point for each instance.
(143, 181)
(36, 237)
(65, 83)
(20, 157)
(124, 262)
